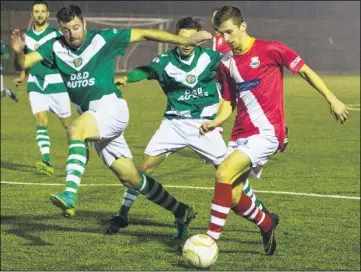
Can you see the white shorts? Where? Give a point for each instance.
(258, 148)
(1, 82)
(112, 117)
(57, 103)
(176, 134)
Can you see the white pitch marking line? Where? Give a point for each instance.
(186, 187)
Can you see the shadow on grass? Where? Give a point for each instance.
(19, 167)
(29, 227)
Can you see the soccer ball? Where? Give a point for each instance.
(200, 251)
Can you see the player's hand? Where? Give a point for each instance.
(339, 110)
(18, 81)
(121, 81)
(198, 38)
(17, 42)
(207, 126)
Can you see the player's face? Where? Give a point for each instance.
(186, 50)
(40, 14)
(74, 32)
(232, 33)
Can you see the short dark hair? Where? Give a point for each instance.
(67, 13)
(225, 13)
(41, 3)
(189, 23)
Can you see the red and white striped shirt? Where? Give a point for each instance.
(253, 81)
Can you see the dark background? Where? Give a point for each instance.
(325, 33)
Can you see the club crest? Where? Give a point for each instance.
(78, 62)
(191, 78)
(254, 62)
(36, 46)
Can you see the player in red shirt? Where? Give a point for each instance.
(251, 76)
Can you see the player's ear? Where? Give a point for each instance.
(243, 27)
(84, 23)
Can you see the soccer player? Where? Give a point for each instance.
(252, 79)
(46, 88)
(219, 44)
(4, 54)
(187, 76)
(85, 59)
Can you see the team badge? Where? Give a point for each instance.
(191, 78)
(36, 46)
(254, 62)
(78, 62)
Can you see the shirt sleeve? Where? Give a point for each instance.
(138, 74)
(285, 56)
(46, 51)
(156, 67)
(216, 58)
(117, 39)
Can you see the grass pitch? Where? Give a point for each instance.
(315, 233)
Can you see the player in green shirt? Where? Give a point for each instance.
(85, 59)
(47, 91)
(186, 75)
(4, 54)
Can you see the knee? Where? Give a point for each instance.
(42, 121)
(65, 125)
(222, 174)
(74, 132)
(146, 168)
(130, 180)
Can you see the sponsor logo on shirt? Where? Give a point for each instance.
(193, 94)
(247, 85)
(254, 62)
(79, 80)
(295, 62)
(78, 62)
(191, 78)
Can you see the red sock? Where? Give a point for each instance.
(247, 208)
(221, 204)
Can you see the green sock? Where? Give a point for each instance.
(129, 197)
(247, 190)
(75, 166)
(155, 192)
(43, 140)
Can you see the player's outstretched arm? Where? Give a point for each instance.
(135, 75)
(338, 109)
(25, 61)
(224, 111)
(138, 34)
